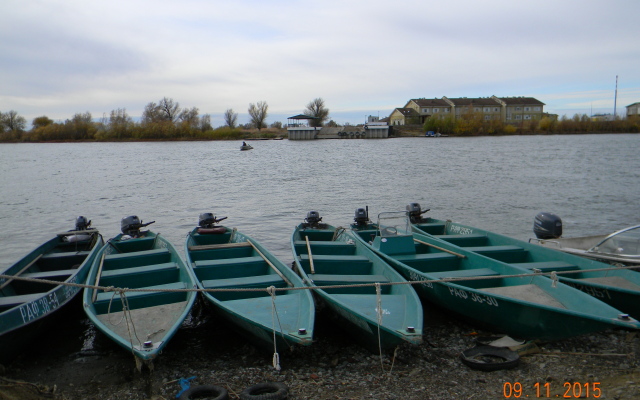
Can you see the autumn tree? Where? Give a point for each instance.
(120, 123)
(12, 121)
(230, 118)
(41, 122)
(190, 116)
(258, 114)
(205, 123)
(316, 108)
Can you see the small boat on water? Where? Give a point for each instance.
(225, 259)
(26, 306)
(245, 146)
(622, 247)
(484, 289)
(143, 321)
(326, 256)
(617, 287)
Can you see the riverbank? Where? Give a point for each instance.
(77, 363)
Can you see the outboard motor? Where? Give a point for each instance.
(362, 217)
(415, 212)
(313, 218)
(131, 225)
(82, 224)
(206, 220)
(547, 226)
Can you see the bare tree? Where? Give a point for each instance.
(205, 123)
(258, 114)
(230, 118)
(169, 110)
(316, 108)
(190, 116)
(12, 121)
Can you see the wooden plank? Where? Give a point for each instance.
(219, 246)
(440, 248)
(8, 281)
(313, 270)
(97, 281)
(270, 264)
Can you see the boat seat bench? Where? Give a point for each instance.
(254, 281)
(50, 256)
(12, 301)
(49, 274)
(133, 254)
(464, 273)
(228, 261)
(471, 239)
(431, 228)
(338, 258)
(548, 266)
(497, 249)
(334, 279)
(425, 256)
(323, 243)
(106, 297)
(140, 270)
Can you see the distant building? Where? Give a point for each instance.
(506, 109)
(602, 117)
(633, 109)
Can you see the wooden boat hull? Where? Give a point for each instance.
(27, 307)
(619, 288)
(338, 259)
(525, 307)
(142, 322)
(232, 261)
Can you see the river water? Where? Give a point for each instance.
(496, 183)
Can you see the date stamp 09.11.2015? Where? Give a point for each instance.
(569, 390)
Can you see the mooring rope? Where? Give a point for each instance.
(414, 282)
(276, 357)
(379, 319)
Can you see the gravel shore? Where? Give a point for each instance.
(78, 363)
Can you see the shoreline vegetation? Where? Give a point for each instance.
(82, 128)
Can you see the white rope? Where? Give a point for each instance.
(276, 357)
(554, 279)
(379, 315)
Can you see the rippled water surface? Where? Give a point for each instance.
(495, 183)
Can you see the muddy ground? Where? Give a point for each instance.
(74, 362)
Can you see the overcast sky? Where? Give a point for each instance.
(58, 58)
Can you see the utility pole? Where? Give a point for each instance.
(615, 100)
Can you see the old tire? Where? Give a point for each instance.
(209, 392)
(265, 391)
(490, 358)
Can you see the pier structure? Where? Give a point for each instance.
(299, 130)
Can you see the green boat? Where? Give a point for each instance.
(26, 307)
(325, 256)
(484, 290)
(143, 321)
(225, 259)
(620, 288)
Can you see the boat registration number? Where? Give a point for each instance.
(39, 307)
(477, 297)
